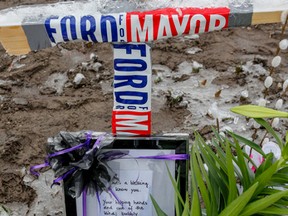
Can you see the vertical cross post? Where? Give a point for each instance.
(132, 89)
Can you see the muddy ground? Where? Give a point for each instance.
(38, 97)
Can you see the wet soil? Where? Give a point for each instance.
(31, 111)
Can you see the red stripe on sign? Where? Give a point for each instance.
(131, 123)
(168, 22)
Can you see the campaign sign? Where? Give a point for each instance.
(132, 89)
(140, 176)
(136, 26)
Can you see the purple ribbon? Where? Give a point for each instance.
(167, 157)
(98, 141)
(65, 151)
(33, 168)
(64, 176)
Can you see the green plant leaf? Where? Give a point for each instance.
(186, 206)
(235, 207)
(265, 165)
(285, 152)
(274, 211)
(179, 203)
(201, 184)
(175, 186)
(208, 179)
(263, 203)
(246, 178)
(195, 205)
(217, 168)
(265, 177)
(195, 202)
(270, 130)
(231, 175)
(253, 111)
(247, 142)
(158, 210)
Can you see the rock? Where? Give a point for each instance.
(96, 66)
(255, 69)
(85, 65)
(192, 36)
(20, 101)
(180, 77)
(189, 67)
(16, 64)
(56, 81)
(174, 99)
(93, 57)
(79, 79)
(47, 90)
(158, 68)
(193, 50)
(6, 85)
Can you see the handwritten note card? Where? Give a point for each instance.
(134, 192)
(137, 180)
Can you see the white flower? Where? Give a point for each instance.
(275, 122)
(285, 85)
(283, 44)
(262, 102)
(272, 147)
(276, 61)
(266, 140)
(245, 94)
(268, 82)
(279, 104)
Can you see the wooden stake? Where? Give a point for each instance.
(14, 40)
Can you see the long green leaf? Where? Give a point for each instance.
(175, 186)
(246, 178)
(220, 158)
(263, 203)
(265, 177)
(231, 175)
(285, 151)
(213, 164)
(239, 204)
(274, 211)
(211, 190)
(158, 210)
(195, 205)
(270, 130)
(216, 166)
(186, 206)
(265, 165)
(253, 111)
(200, 182)
(195, 202)
(247, 142)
